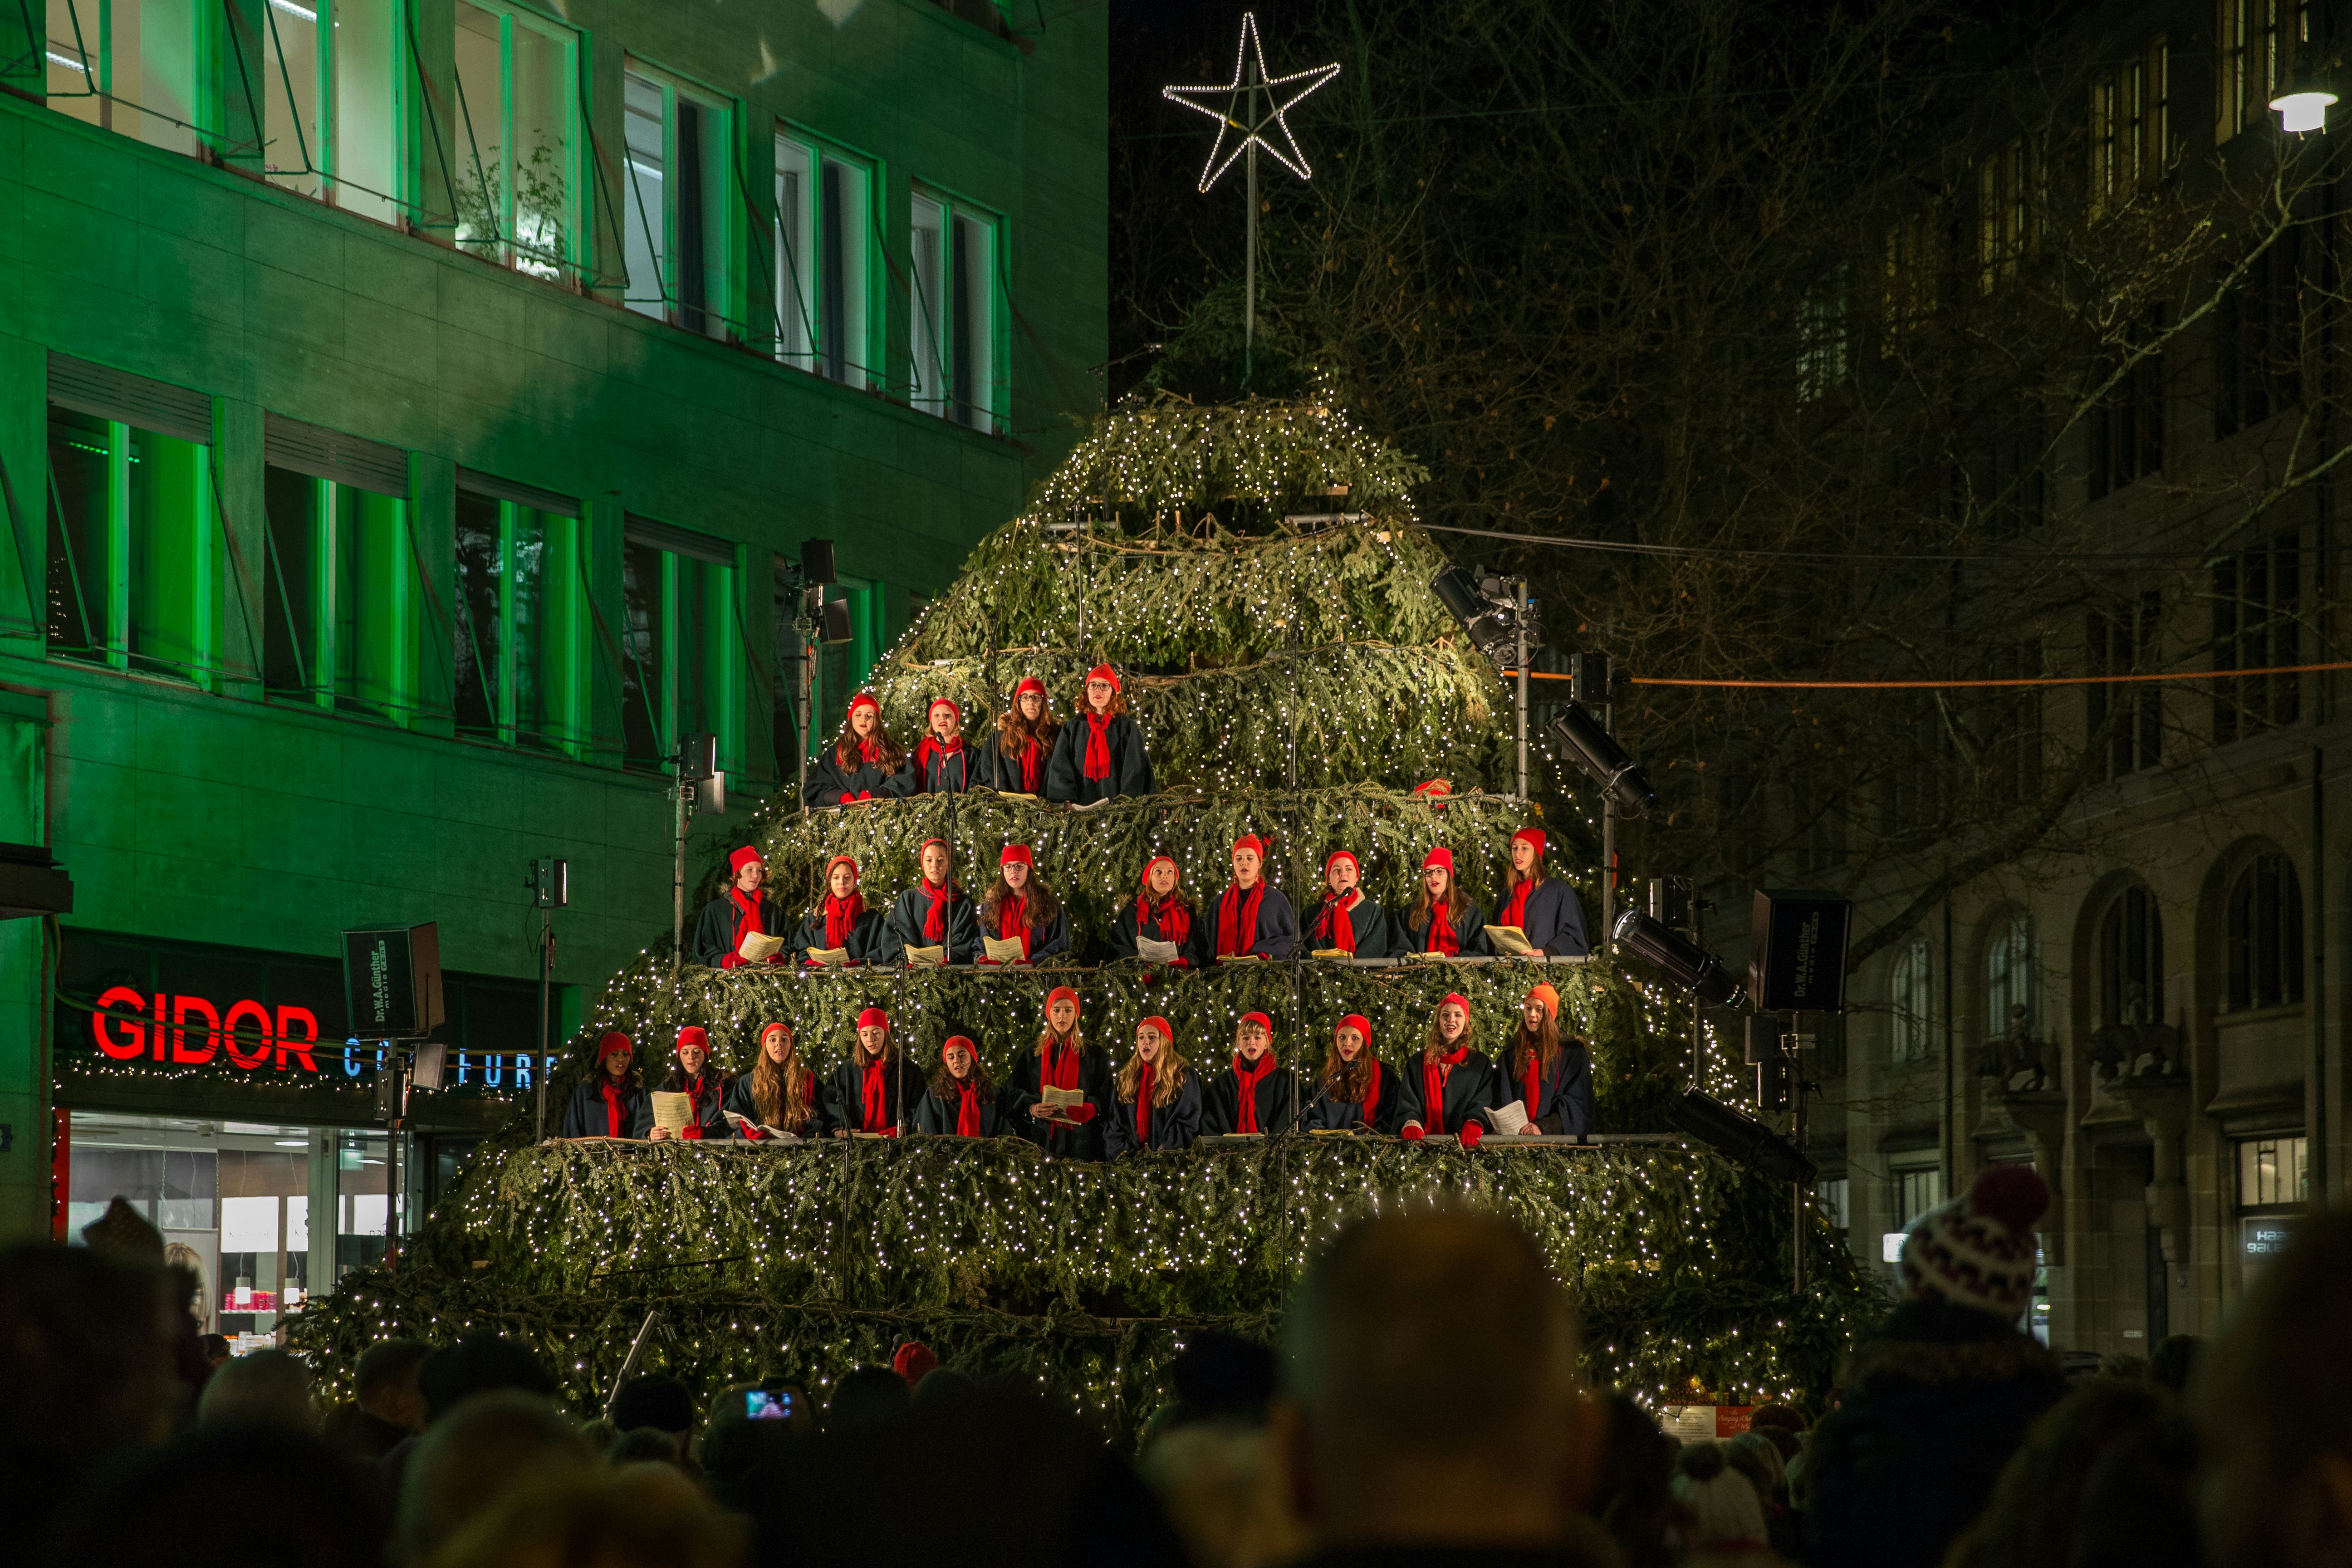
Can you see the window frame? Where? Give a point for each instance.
(860, 274)
(558, 647)
(2262, 935)
(1911, 1003)
(974, 401)
(505, 246)
(2113, 966)
(725, 679)
(722, 316)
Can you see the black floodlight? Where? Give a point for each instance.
(1596, 751)
(1739, 1138)
(1683, 961)
(1490, 613)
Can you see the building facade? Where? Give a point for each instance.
(412, 412)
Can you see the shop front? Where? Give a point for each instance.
(217, 1090)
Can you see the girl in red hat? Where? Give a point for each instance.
(609, 1104)
(779, 1092)
(962, 1102)
(942, 763)
(1156, 1103)
(935, 912)
(840, 918)
(874, 1088)
(744, 909)
(1252, 919)
(1548, 913)
(1098, 754)
(1062, 1059)
(1346, 922)
(1443, 919)
(1550, 1077)
(1450, 1085)
(1255, 1093)
(1014, 761)
(1162, 913)
(1356, 1092)
(1019, 904)
(693, 1075)
(863, 764)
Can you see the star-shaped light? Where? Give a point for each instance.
(1283, 93)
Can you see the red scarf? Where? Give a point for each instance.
(869, 752)
(612, 1107)
(875, 1093)
(747, 922)
(1247, 1078)
(1143, 1108)
(1432, 1086)
(933, 746)
(1531, 1090)
(1337, 923)
(1441, 929)
(1029, 761)
(935, 918)
(1371, 1088)
(1238, 919)
(1515, 913)
(968, 1107)
(1174, 919)
(1013, 920)
(694, 1088)
(1057, 1065)
(1098, 763)
(841, 918)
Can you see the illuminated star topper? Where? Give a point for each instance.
(1270, 98)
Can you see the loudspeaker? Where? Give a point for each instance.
(432, 1065)
(711, 795)
(1796, 953)
(1740, 1138)
(392, 982)
(1588, 678)
(837, 627)
(697, 757)
(1763, 1038)
(816, 562)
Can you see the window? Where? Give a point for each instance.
(2130, 110)
(341, 597)
(516, 146)
(2265, 934)
(2013, 979)
(675, 231)
(132, 66)
(1821, 348)
(952, 318)
(1834, 1197)
(2258, 333)
(2255, 627)
(1910, 1002)
(822, 222)
(2013, 724)
(1908, 290)
(2131, 960)
(2128, 425)
(2009, 202)
(520, 636)
(2126, 717)
(678, 674)
(1917, 1191)
(2274, 1171)
(2254, 46)
(131, 518)
(331, 73)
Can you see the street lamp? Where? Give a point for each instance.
(2304, 100)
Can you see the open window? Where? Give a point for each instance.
(517, 178)
(823, 257)
(675, 227)
(331, 73)
(952, 313)
(132, 66)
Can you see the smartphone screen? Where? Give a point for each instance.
(763, 1405)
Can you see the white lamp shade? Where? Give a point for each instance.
(2303, 111)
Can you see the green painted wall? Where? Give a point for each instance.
(192, 809)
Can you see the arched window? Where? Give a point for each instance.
(2131, 960)
(2013, 979)
(1910, 1002)
(2265, 934)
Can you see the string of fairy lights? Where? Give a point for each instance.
(1257, 570)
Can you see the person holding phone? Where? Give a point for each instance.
(1062, 1059)
(610, 1104)
(1551, 1077)
(779, 1092)
(692, 1075)
(962, 1102)
(875, 1090)
(1162, 913)
(841, 920)
(1255, 1093)
(1354, 1093)
(1451, 1085)
(1156, 1103)
(1252, 919)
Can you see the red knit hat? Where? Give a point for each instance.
(1534, 835)
(614, 1044)
(1335, 857)
(914, 1361)
(1145, 883)
(873, 1018)
(847, 861)
(693, 1034)
(1441, 855)
(1016, 853)
(1058, 993)
(1251, 842)
(948, 703)
(952, 1041)
(1260, 1020)
(1159, 1023)
(1357, 1022)
(1457, 999)
(746, 855)
(1031, 683)
(1980, 1251)
(865, 700)
(1546, 994)
(1103, 672)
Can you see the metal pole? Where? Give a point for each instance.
(1797, 1041)
(546, 975)
(1249, 286)
(1522, 618)
(630, 1365)
(806, 627)
(677, 875)
(1608, 855)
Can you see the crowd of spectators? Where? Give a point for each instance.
(1425, 1404)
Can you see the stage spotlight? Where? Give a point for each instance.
(1684, 961)
(1489, 611)
(1739, 1138)
(1596, 751)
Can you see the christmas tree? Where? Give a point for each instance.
(1255, 572)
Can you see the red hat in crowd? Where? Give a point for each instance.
(914, 1361)
(1160, 1024)
(952, 1041)
(1103, 672)
(1534, 835)
(1335, 857)
(1357, 1022)
(614, 1044)
(1016, 853)
(695, 1035)
(1457, 999)
(1168, 860)
(1031, 683)
(1261, 1020)
(746, 855)
(847, 861)
(1251, 842)
(865, 700)
(1441, 855)
(948, 703)
(873, 1018)
(1060, 993)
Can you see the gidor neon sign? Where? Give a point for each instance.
(189, 1031)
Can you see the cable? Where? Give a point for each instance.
(1732, 552)
(1957, 684)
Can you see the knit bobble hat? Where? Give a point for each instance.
(1979, 1252)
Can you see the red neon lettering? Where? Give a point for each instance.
(182, 1009)
(299, 1045)
(252, 1051)
(132, 1042)
(163, 1016)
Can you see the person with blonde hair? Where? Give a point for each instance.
(1254, 1093)
(841, 921)
(1355, 1092)
(863, 764)
(1156, 1102)
(779, 1091)
(1451, 1086)
(1162, 913)
(875, 1089)
(1062, 1059)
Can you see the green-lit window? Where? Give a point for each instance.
(342, 598)
(823, 222)
(130, 564)
(331, 73)
(520, 627)
(517, 145)
(679, 675)
(133, 66)
(952, 313)
(676, 194)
